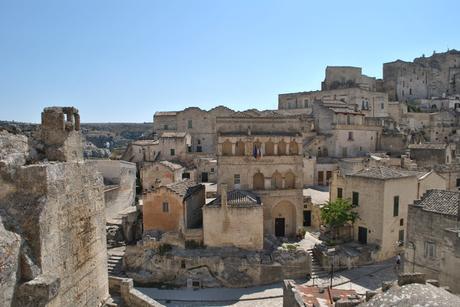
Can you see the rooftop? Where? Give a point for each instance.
(166, 113)
(440, 201)
(184, 188)
(383, 172)
(238, 198)
(414, 295)
(317, 196)
(438, 146)
(171, 165)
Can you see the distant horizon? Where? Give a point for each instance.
(121, 62)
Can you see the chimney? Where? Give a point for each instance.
(223, 194)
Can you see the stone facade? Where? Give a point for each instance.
(174, 207)
(433, 243)
(260, 156)
(425, 77)
(428, 155)
(236, 219)
(338, 77)
(156, 174)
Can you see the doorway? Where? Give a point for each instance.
(279, 227)
(204, 177)
(306, 218)
(362, 235)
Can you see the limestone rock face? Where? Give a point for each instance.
(10, 244)
(13, 148)
(213, 267)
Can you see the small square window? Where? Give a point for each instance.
(236, 179)
(212, 169)
(173, 152)
(165, 207)
(339, 192)
(355, 199)
(430, 249)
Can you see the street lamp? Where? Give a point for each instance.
(413, 255)
(332, 250)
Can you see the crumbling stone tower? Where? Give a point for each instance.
(60, 133)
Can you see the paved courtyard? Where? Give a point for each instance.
(361, 279)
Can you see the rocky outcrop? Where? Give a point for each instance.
(213, 267)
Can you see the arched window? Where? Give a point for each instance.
(277, 181)
(269, 148)
(293, 148)
(281, 148)
(240, 148)
(258, 182)
(289, 181)
(227, 148)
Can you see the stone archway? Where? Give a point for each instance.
(281, 148)
(289, 180)
(293, 148)
(227, 148)
(284, 219)
(240, 148)
(277, 181)
(258, 181)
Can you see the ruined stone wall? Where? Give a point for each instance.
(428, 157)
(122, 174)
(58, 210)
(347, 77)
(233, 226)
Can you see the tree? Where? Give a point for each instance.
(337, 213)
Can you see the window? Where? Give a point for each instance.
(190, 124)
(165, 207)
(382, 106)
(173, 152)
(401, 237)
(212, 169)
(396, 206)
(339, 192)
(458, 183)
(430, 249)
(344, 152)
(401, 222)
(355, 199)
(350, 136)
(236, 179)
(165, 127)
(305, 102)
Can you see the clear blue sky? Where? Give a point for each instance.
(121, 61)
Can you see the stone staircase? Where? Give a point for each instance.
(317, 272)
(115, 261)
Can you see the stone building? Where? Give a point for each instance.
(175, 207)
(156, 174)
(200, 124)
(433, 240)
(425, 77)
(52, 219)
(451, 173)
(346, 133)
(356, 95)
(380, 196)
(140, 151)
(339, 77)
(428, 155)
(235, 218)
(263, 155)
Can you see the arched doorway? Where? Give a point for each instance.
(258, 181)
(293, 148)
(227, 148)
(284, 219)
(281, 148)
(269, 148)
(240, 148)
(289, 181)
(277, 181)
